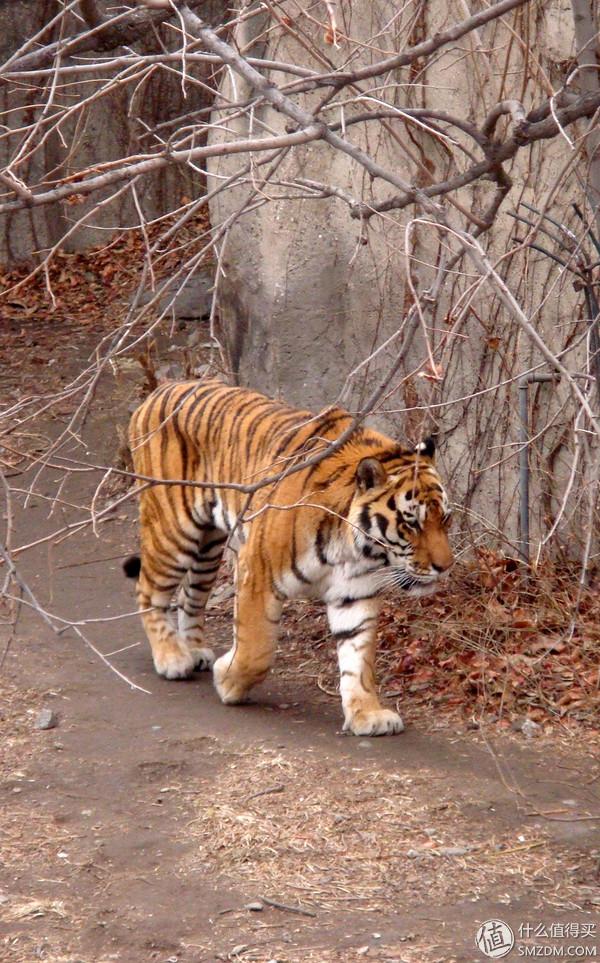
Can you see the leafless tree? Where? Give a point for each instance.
(257, 115)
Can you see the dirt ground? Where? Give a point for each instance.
(154, 824)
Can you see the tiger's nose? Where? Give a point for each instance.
(443, 561)
(437, 550)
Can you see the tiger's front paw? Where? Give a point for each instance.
(231, 690)
(173, 661)
(204, 659)
(374, 722)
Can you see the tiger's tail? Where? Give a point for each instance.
(132, 566)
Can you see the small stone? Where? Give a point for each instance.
(530, 728)
(365, 744)
(412, 853)
(46, 719)
(255, 907)
(452, 850)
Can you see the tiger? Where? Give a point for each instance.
(307, 514)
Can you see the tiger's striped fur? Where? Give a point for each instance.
(368, 515)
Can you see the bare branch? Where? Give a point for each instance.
(91, 14)
(512, 107)
(118, 31)
(154, 162)
(419, 51)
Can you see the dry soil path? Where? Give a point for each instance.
(143, 826)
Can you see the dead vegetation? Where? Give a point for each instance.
(495, 646)
(499, 644)
(28, 838)
(372, 840)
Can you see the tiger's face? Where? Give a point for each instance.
(400, 516)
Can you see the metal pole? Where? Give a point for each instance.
(594, 313)
(524, 470)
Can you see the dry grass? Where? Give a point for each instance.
(359, 839)
(24, 834)
(29, 837)
(400, 952)
(29, 909)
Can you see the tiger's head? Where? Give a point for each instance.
(400, 516)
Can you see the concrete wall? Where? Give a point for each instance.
(303, 301)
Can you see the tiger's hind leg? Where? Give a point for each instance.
(170, 653)
(194, 592)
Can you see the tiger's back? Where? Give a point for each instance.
(335, 530)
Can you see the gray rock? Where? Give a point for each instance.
(191, 300)
(46, 719)
(256, 907)
(529, 728)
(172, 371)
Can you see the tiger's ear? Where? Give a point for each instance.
(426, 447)
(369, 474)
